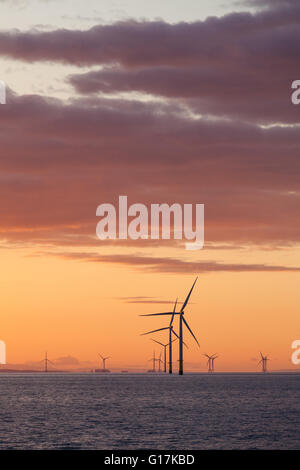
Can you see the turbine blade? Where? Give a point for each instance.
(174, 310)
(158, 342)
(154, 314)
(186, 324)
(189, 294)
(154, 331)
(175, 333)
(175, 339)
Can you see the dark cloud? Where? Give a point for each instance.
(172, 265)
(261, 94)
(146, 300)
(59, 161)
(239, 66)
(68, 159)
(233, 37)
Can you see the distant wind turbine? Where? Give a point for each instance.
(46, 361)
(153, 359)
(263, 362)
(165, 351)
(182, 321)
(159, 363)
(171, 331)
(104, 359)
(210, 362)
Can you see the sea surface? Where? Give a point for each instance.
(147, 411)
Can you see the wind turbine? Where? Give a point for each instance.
(208, 362)
(46, 361)
(165, 351)
(104, 359)
(263, 362)
(171, 331)
(159, 363)
(154, 362)
(182, 321)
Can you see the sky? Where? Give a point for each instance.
(186, 102)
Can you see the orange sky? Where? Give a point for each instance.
(72, 308)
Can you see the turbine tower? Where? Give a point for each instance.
(263, 362)
(182, 321)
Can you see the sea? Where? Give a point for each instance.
(149, 411)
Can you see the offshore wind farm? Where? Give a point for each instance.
(170, 355)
